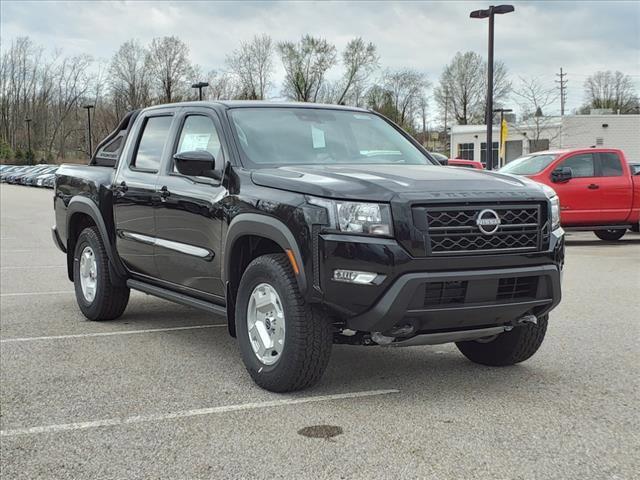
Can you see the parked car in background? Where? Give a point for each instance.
(459, 162)
(596, 187)
(13, 172)
(30, 178)
(439, 157)
(47, 180)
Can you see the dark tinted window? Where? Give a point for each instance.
(154, 136)
(581, 165)
(114, 146)
(610, 165)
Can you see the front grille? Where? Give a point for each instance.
(454, 229)
(517, 287)
(444, 293)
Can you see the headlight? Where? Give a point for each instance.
(555, 212)
(357, 217)
(555, 205)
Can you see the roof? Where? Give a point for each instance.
(260, 104)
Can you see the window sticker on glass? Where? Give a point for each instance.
(195, 141)
(317, 136)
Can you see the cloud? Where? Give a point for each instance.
(536, 40)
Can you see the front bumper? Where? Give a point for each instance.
(480, 300)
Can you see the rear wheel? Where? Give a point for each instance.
(610, 235)
(508, 348)
(285, 343)
(97, 296)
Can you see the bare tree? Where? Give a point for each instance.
(463, 87)
(533, 98)
(252, 64)
(613, 90)
(306, 64)
(171, 70)
(222, 86)
(129, 77)
(407, 89)
(359, 59)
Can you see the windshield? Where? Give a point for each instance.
(528, 165)
(276, 136)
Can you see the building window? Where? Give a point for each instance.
(495, 152)
(465, 151)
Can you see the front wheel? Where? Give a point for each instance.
(285, 343)
(508, 348)
(97, 297)
(610, 235)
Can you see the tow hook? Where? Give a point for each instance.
(528, 318)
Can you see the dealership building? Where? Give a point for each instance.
(544, 133)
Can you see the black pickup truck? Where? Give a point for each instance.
(308, 225)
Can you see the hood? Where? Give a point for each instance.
(385, 183)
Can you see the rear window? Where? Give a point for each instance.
(528, 165)
(151, 146)
(610, 165)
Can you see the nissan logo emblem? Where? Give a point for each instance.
(488, 221)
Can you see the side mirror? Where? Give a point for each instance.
(444, 162)
(560, 175)
(198, 163)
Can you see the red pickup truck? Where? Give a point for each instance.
(597, 189)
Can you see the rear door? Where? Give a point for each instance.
(189, 215)
(616, 191)
(580, 196)
(135, 195)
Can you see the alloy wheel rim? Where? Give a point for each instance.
(88, 274)
(266, 324)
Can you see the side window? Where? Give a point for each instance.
(154, 136)
(199, 133)
(610, 165)
(581, 165)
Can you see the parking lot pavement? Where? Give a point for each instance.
(162, 393)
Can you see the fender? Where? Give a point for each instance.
(80, 204)
(263, 226)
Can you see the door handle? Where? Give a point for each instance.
(121, 189)
(593, 186)
(164, 192)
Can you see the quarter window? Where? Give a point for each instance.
(151, 146)
(465, 151)
(610, 165)
(581, 165)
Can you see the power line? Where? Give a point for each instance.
(563, 90)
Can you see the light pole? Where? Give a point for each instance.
(490, 13)
(89, 107)
(502, 112)
(28, 120)
(200, 86)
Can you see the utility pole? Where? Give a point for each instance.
(446, 110)
(563, 90)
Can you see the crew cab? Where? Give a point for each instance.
(597, 189)
(307, 225)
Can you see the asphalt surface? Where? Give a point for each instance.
(139, 398)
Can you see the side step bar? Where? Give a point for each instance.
(446, 337)
(177, 297)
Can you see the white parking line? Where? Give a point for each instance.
(26, 294)
(110, 422)
(110, 334)
(32, 266)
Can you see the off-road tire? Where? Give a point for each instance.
(610, 235)
(110, 300)
(308, 332)
(508, 348)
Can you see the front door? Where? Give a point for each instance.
(189, 216)
(580, 196)
(135, 194)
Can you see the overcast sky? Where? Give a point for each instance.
(536, 40)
